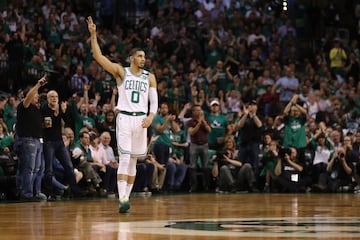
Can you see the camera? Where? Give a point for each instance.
(283, 152)
(341, 155)
(220, 155)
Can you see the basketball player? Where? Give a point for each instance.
(136, 87)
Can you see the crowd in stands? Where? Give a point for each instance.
(245, 104)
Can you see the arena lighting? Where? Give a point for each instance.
(285, 5)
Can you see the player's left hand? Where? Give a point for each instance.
(147, 122)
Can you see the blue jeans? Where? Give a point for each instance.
(57, 149)
(175, 175)
(29, 152)
(144, 174)
(162, 152)
(249, 153)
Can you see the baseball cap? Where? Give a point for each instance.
(213, 102)
(250, 102)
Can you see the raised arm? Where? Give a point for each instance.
(33, 91)
(114, 68)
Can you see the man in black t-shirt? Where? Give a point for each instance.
(28, 145)
(54, 147)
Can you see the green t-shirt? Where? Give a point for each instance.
(179, 137)
(164, 137)
(10, 114)
(218, 128)
(294, 133)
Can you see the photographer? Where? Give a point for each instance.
(231, 174)
(289, 173)
(340, 168)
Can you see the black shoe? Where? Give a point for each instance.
(29, 199)
(102, 192)
(253, 190)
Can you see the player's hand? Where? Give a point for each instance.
(91, 25)
(147, 122)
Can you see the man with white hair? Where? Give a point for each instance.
(52, 114)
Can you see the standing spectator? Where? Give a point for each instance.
(338, 58)
(16, 52)
(218, 123)
(78, 80)
(28, 145)
(288, 86)
(198, 128)
(53, 113)
(250, 126)
(294, 132)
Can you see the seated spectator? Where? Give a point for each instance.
(269, 153)
(82, 159)
(105, 139)
(176, 168)
(231, 173)
(144, 176)
(159, 174)
(322, 147)
(101, 164)
(6, 140)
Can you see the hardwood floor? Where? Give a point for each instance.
(188, 216)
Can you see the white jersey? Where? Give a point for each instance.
(134, 92)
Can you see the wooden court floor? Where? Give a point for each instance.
(188, 216)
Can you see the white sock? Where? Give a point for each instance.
(122, 188)
(128, 189)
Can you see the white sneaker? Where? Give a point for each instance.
(40, 196)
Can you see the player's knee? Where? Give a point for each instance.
(132, 167)
(123, 164)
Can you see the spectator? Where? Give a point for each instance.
(198, 128)
(250, 126)
(218, 123)
(288, 85)
(82, 159)
(340, 169)
(107, 169)
(294, 132)
(28, 146)
(289, 175)
(323, 149)
(78, 80)
(231, 173)
(52, 114)
(162, 125)
(269, 153)
(337, 57)
(10, 113)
